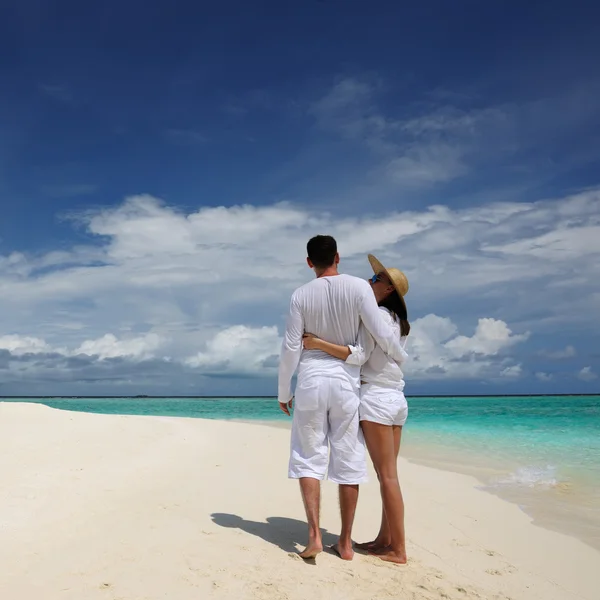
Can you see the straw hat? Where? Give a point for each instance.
(397, 277)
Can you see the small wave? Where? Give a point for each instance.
(530, 476)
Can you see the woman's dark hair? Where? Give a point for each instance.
(398, 309)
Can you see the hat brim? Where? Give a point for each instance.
(379, 268)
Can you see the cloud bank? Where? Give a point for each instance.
(205, 292)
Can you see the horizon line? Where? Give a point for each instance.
(143, 396)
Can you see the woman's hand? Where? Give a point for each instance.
(310, 341)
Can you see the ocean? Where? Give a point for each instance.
(540, 452)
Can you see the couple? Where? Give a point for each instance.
(337, 324)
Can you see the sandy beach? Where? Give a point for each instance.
(131, 508)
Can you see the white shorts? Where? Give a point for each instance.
(382, 405)
(326, 436)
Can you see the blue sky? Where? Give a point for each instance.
(162, 166)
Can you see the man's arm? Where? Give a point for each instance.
(291, 349)
(376, 324)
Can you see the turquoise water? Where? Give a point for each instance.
(541, 452)
(562, 431)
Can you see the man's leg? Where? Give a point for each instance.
(347, 459)
(308, 456)
(348, 502)
(311, 496)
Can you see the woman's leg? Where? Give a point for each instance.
(383, 442)
(383, 539)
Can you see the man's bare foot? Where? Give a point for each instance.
(390, 555)
(343, 551)
(311, 551)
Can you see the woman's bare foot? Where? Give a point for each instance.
(390, 555)
(373, 546)
(376, 551)
(366, 545)
(345, 552)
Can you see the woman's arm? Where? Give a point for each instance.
(364, 347)
(311, 342)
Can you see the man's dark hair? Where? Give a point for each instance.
(321, 250)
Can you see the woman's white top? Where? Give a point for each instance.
(377, 367)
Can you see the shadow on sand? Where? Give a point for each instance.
(280, 531)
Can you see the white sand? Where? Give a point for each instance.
(132, 508)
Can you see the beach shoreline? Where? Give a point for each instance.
(107, 506)
(558, 506)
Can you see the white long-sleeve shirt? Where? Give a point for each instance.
(331, 308)
(377, 367)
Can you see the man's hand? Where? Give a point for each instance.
(286, 407)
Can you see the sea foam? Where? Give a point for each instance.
(530, 476)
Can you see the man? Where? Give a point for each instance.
(327, 391)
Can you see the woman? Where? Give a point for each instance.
(383, 408)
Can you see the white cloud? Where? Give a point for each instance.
(567, 352)
(423, 144)
(20, 345)
(489, 338)
(426, 165)
(415, 153)
(541, 376)
(513, 371)
(240, 350)
(563, 243)
(150, 245)
(437, 351)
(586, 374)
(108, 346)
